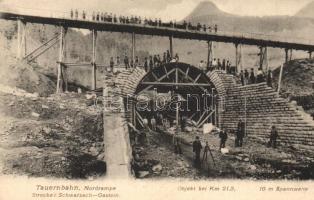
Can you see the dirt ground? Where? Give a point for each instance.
(57, 136)
(253, 161)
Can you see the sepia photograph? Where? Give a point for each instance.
(179, 98)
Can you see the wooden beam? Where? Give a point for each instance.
(94, 32)
(198, 77)
(154, 75)
(206, 118)
(61, 57)
(160, 79)
(189, 77)
(187, 72)
(175, 84)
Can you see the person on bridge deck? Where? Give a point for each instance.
(151, 63)
(159, 22)
(118, 61)
(111, 64)
(176, 57)
(164, 58)
(146, 64)
(127, 21)
(126, 62)
(198, 26)
(201, 66)
(223, 138)
(136, 61)
(252, 77)
(214, 64)
(246, 77)
(76, 14)
(102, 17)
(158, 59)
(224, 64)
(84, 15)
(219, 64)
(93, 16)
(216, 28)
(210, 29)
(204, 28)
(228, 67)
(269, 78)
(240, 134)
(168, 56)
(155, 61)
(273, 137)
(197, 147)
(98, 16)
(185, 24)
(260, 76)
(242, 77)
(71, 14)
(115, 19)
(189, 26)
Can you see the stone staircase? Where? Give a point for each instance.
(261, 107)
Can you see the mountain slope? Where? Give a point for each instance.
(306, 11)
(206, 8)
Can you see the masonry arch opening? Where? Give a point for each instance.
(174, 95)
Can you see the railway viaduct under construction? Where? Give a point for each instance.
(258, 105)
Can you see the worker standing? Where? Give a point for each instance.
(223, 138)
(111, 64)
(273, 137)
(197, 147)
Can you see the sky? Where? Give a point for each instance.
(166, 9)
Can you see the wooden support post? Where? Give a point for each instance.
(94, 70)
(210, 53)
(290, 56)
(61, 58)
(238, 57)
(21, 39)
(286, 58)
(279, 80)
(133, 49)
(263, 58)
(310, 54)
(171, 46)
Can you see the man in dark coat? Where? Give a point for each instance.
(146, 65)
(223, 138)
(240, 134)
(273, 137)
(126, 62)
(242, 77)
(197, 146)
(252, 77)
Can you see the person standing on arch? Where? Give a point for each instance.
(126, 62)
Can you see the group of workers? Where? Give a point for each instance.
(150, 62)
(250, 77)
(113, 18)
(216, 64)
(239, 136)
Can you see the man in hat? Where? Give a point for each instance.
(197, 146)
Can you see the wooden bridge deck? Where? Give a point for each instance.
(245, 39)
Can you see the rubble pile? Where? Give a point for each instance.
(58, 136)
(156, 159)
